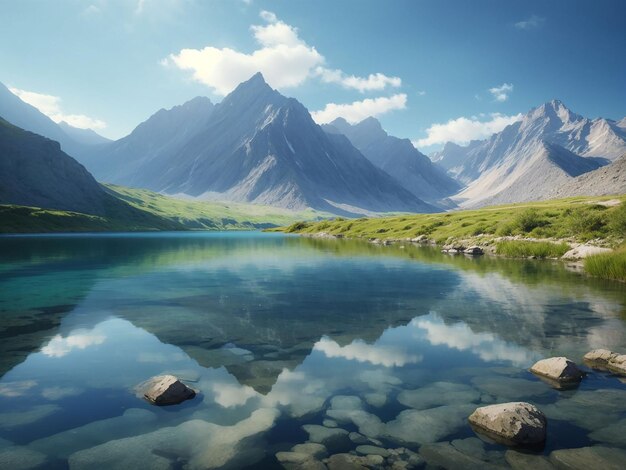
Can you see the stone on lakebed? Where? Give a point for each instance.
(515, 423)
(164, 390)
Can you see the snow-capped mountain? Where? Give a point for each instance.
(529, 158)
(398, 157)
(255, 146)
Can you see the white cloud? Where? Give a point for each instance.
(230, 395)
(358, 110)
(531, 23)
(374, 81)
(462, 130)
(60, 346)
(360, 351)
(50, 105)
(501, 93)
(460, 336)
(284, 59)
(421, 93)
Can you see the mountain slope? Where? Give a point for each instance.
(261, 147)
(83, 136)
(526, 160)
(35, 172)
(144, 154)
(398, 157)
(610, 179)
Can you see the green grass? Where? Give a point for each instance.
(576, 219)
(205, 215)
(526, 249)
(608, 265)
(142, 210)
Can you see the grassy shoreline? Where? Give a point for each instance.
(545, 229)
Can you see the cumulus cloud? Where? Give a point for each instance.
(284, 59)
(230, 395)
(530, 23)
(50, 105)
(360, 351)
(462, 130)
(461, 337)
(358, 110)
(501, 93)
(373, 82)
(60, 346)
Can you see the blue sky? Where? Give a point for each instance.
(430, 70)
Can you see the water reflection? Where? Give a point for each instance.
(287, 340)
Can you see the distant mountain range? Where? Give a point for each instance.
(255, 146)
(399, 158)
(261, 147)
(527, 160)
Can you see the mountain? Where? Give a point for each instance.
(610, 179)
(35, 172)
(255, 146)
(398, 157)
(548, 147)
(83, 136)
(453, 156)
(147, 153)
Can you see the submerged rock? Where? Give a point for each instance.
(559, 369)
(589, 409)
(437, 394)
(585, 458)
(372, 450)
(516, 423)
(521, 461)
(164, 390)
(331, 438)
(445, 455)
(313, 449)
(353, 462)
(20, 458)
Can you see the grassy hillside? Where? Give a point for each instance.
(142, 210)
(577, 219)
(211, 215)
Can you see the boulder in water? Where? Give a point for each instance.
(164, 390)
(516, 423)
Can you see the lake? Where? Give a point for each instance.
(289, 340)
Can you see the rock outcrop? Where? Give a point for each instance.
(606, 360)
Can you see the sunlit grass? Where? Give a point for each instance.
(608, 265)
(526, 249)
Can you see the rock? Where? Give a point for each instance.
(614, 434)
(20, 458)
(437, 394)
(509, 388)
(331, 438)
(358, 438)
(292, 457)
(420, 239)
(164, 390)
(473, 250)
(516, 423)
(445, 455)
(582, 251)
(313, 449)
(347, 462)
(372, 450)
(521, 461)
(559, 369)
(584, 458)
(601, 356)
(426, 426)
(329, 423)
(23, 417)
(589, 409)
(605, 359)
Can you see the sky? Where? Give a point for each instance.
(432, 71)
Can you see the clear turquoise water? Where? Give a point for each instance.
(272, 331)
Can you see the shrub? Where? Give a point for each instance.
(587, 221)
(525, 249)
(297, 227)
(529, 219)
(608, 265)
(617, 223)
